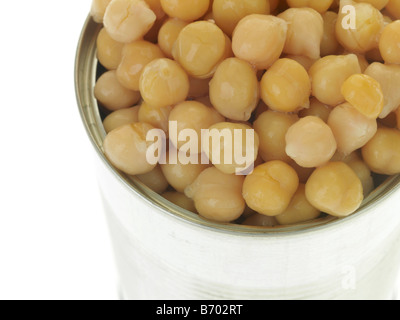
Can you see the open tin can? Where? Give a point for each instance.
(164, 252)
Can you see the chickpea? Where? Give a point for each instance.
(135, 56)
(120, 118)
(185, 10)
(157, 117)
(388, 77)
(368, 28)
(109, 51)
(228, 13)
(271, 128)
(270, 188)
(200, 47)
(319, 5)
(155, 5)
(393, 7)
(126, 148)
(310, 142)
(286, 86)
(192, 115)
(352, 130)
(306, 62)
(128, 20)
(389, 43)
(224, 158)
(328, 75)
(382, 152)
(317, 109)
(329, 43)
(299, 209)
(112, 95)
(259, 39)
(335, 189)
(154, 180)
(379, 4)
(198, 87)
(260, 220)
(180, 200)
(98, 9)
(303, 38)
(163, 83)
(364, 93)
(234, 89)
(217, 196)
(364, 174)
(168, 35)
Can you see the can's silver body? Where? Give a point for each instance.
(165, 253)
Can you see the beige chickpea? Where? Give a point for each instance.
(109, 51)
(364, 174)
(319, 5)
(157, 117)
(379, 4)
(168, 35)
(154, 180)
(120, 118)
(389, 43)
(185, 10)
(98, 9)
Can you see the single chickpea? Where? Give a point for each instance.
(364, 36)
(163, 83)
(157, 117)
(155, 5)
(364, 174)
(382, 152)
(310, 142)
(98, 9)
(180, 200)
(260, 220)
(126, 148)
(319, 5)
(109, 51)
(387, 76)
(328, 75)
(233, 154)
(393, 7)
(120, 118)
(271, 128)
(154, 180)
(168, 35)
(234, 89)
(352, 130)
(185, 10)
(329, 44)
(200, 47)
(228, 13)
(317, 109)
(379, 4)
(270, 188)
(135, 56)
(303, 38)
(128, 20)
(335, 189)
(217, 196)
(389, 43)
(192, 115)
(299, 209)
(365, 94)
(259, 39)
(112, 95)
(286, 86)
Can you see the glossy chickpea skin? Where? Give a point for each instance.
(328, 75)
(303, 38)
(319, 5)
(286, 86)
(389, 43)
(185, 10)
(271, 128)
(163, 83)
(98, 9)
(382, 152)
(109, 51)
(228, 13)
(217, 196)
(200, 47)
(234, 89)
(168, 35)
(112, 95)
(135, 56)
(128, 20)
(335, 189)
(362, 171)
(259, 39)
(352, 130)
(126, 147)
(181, 200)
(157, 117)
(310, 142)
(120, 118)
(154, 180)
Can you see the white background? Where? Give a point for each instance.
(54, 241)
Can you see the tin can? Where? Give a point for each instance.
(165, 252)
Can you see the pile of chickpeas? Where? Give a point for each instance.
(322, 99)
